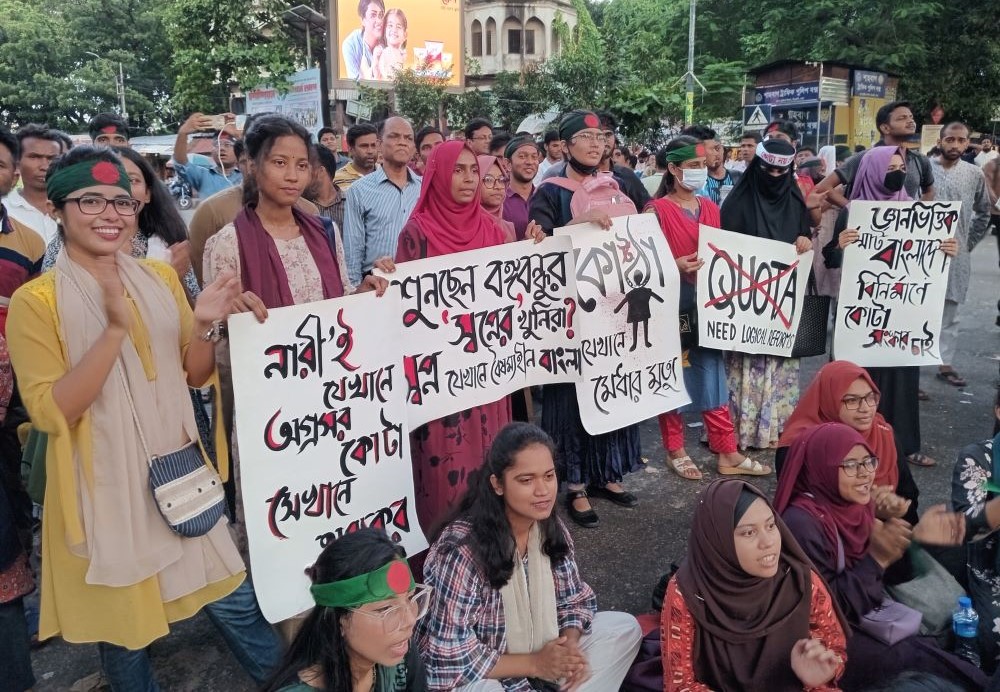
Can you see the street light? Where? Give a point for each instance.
(119, 84)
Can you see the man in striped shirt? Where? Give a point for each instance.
(379, 204)
(21, 249)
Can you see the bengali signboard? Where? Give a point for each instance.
(323, 438)
(869, 84)
(893, 283)
(630, 355)
(750, 292)
(783, 94)
(302, 102)
(479, 325)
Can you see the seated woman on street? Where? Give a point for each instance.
(746, 610)
(825, 497)
(510, 611)
(357, 638)
(975, 493)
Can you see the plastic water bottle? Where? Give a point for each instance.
(965, 623)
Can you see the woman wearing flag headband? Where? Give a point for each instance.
(357, 638)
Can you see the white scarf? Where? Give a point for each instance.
(529, 600)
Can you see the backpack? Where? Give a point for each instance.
(599, 191)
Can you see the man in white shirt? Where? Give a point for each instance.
(40, 146)
(986, 152)
(553, 154)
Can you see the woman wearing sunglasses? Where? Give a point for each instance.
(357, 638)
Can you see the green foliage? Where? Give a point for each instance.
(473, 103)
(419, 97)
(520, 94)
(217, 44)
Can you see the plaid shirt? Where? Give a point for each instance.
(464, 633)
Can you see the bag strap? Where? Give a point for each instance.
(841, 560)
(564, 183)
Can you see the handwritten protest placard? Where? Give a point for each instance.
(482, 324)
(323, 440)
(630, 356)
(750, 292)
(893, 283)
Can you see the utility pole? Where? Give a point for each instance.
(120, 85)
(689, 77)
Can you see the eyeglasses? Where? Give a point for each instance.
(482, 138)
(92, 205)
(851, 467)
(853, 403)
(587, 138)
(494, 182)
(395, 617)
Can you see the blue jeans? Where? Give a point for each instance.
(237, 617)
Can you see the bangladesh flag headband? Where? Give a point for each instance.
(388, 581)
(68, 180)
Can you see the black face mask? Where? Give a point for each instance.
(894, 180)
(580, 168)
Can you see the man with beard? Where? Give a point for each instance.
(522, 155)
(39, 147)
(379, 204)
(720, 181)
(895, 122)
(959, 181)
(362, 146)
(986, 152)
(21, 249)
(321, 191)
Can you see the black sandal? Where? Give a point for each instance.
(588, 519)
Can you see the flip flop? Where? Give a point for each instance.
(952, 378)
(918, 459)
(684, 467)
(747, 467)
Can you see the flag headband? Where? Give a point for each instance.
(388, 581)
(68, 180)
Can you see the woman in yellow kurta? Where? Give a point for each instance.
(113, 572)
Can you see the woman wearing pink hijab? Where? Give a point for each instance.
(494, 178)
(449, 218)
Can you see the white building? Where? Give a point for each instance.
(504, 36)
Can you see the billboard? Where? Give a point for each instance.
(303, 102)
(377, 38)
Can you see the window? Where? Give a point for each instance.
(489, 42)
(529, 41)
(477, 39)
(513, 40)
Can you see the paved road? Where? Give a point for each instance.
(624, 557)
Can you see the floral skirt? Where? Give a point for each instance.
(763, 392)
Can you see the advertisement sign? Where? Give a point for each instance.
(893, 283)
(303, 102)
(377, 38)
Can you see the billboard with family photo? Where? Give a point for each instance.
(377, 38)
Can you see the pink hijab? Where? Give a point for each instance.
(447, 225)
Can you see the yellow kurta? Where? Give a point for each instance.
(131, 616)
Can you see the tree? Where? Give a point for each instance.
(419, 96)
(520, 94)
(217, 44)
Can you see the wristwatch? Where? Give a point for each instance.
(216, 333)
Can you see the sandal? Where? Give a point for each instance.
(951, 377)
(685, 468)
(587, 518)
(918, 459)
(747, 467)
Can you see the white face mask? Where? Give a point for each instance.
(694, 178)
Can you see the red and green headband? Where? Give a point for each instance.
(686, 153)
(388, 581)
(77, 176)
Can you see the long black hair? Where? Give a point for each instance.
(259, 139)
(320, 641)
(490, 538)
(667, 183)
(159, 216)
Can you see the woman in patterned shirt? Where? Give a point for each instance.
(510, 611)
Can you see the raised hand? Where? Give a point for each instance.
(215, 302)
